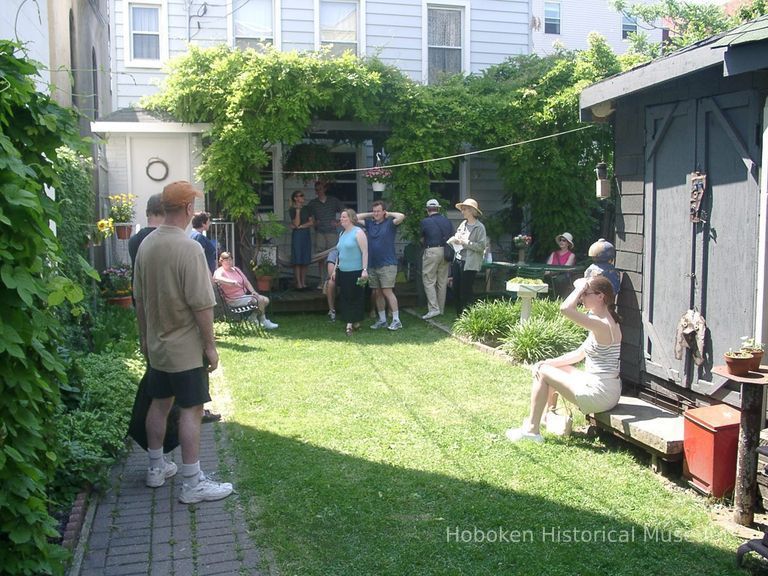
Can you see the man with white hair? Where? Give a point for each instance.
(435, 230)
(174, 307)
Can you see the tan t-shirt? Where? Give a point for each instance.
(172, 280)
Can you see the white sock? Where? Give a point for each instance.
(396, 316)
(191, 474)
(383, 315)
(155, 457)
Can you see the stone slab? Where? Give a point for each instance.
(646, 425)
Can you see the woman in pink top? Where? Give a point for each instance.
(563, 256)
(238, 290)
(561, 281)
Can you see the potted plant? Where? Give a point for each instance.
(737, 363)
(755, 349)
(116, 285)
(264, 270)
(377, 176)
(121, 210)
(521, 242)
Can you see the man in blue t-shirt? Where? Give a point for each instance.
(381, 228)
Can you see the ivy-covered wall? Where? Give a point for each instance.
(32, 129)
(254, 99)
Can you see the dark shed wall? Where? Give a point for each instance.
(630, 137)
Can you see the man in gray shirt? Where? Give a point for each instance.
(325, 210)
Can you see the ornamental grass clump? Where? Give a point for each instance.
(488, 321)
(542, 337)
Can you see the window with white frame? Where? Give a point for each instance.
(144, 26)
(628, 26)
(339, 25)
(444, 42)
(253, 23)
(551, 17)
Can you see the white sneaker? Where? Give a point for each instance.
(331, 315)
(267, 324)
(156, 477)
(517, 435)
(429, 315)
(396, 325)
(379, 324)
(205, 491)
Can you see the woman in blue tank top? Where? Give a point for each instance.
(596, 388)
(351, 266)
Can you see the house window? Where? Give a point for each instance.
(444, 42)
(628, 26)
(338, 25)
(344, 186)
(448, 187)
(551, 18)
(145, 32)
(266, 188)
(253, 22)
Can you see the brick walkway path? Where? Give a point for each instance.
(139, 530)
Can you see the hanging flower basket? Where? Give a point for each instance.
(377, 176)
(122, 207)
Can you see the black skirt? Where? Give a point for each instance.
(351, 302)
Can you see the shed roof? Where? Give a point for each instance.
(743, 49)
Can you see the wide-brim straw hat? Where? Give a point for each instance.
(471, 202)
(567, 236)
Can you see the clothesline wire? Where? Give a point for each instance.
(463, 154)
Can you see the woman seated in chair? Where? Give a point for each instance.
(597, 388)
(238, 291)
(563, 256)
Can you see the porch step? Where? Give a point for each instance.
(654, 429)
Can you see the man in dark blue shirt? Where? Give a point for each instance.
(200, 223)
(381, 227)
(435, 230)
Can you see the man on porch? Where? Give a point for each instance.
(325, 209)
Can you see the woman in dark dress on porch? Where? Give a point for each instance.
(301, 241)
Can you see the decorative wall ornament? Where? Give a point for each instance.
(157, 169)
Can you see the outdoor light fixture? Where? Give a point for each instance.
(603, 185)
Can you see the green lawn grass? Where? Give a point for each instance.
(384, 453)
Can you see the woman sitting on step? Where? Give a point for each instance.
(596, 388)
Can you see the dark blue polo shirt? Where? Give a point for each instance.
(436, 229)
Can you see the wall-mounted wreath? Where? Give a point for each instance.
(157, 169)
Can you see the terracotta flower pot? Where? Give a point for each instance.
(263, 283)
(122, 301)
(123, 231)
(737, 366)
(757, 356)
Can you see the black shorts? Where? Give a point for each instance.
(189, 387)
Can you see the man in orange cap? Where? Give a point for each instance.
(174, 306)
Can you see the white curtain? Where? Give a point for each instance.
(145, 28)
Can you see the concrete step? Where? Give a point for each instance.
(658, 431)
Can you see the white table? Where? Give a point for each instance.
(526, 293)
